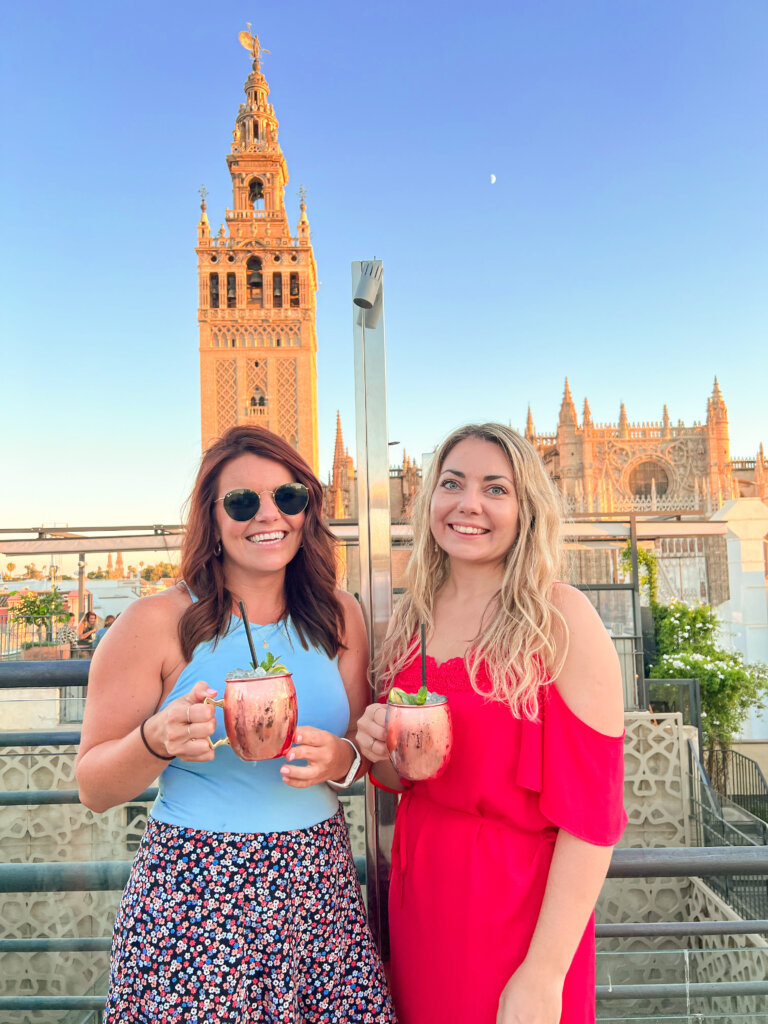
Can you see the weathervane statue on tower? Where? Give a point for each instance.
(251, 42)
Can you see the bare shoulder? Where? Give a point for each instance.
(354, 622)
(152, 614)
(147, 629)
(590, 679)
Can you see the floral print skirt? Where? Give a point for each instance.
(245, 928)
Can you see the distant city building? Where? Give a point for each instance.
(258, 340)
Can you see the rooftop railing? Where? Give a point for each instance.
(696, 999)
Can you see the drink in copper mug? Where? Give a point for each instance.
(419, 737)
(260, 714)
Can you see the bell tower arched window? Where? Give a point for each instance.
(256, 193)
(213, 291)
(254, 281)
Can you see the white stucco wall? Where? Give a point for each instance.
(745, 614)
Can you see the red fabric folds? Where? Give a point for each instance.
(582, 776)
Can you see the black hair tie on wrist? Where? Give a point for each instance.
(154, 753)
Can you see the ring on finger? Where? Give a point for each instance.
(189, 734)
(187, 714)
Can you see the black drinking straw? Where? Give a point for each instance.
(423, 655)
(244, 615)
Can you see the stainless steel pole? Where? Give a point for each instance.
(375, 547)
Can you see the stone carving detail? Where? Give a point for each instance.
(225, 336)
(226, 394)
(655, 788)
(684, 458)
(287, 401)
(256, 377)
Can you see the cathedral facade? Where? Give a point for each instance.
(604, 467)
(645, 467)
(257, 286)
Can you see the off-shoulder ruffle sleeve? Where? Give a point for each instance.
(578, 772)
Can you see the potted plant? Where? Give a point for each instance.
(42, 611)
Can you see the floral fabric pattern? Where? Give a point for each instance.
(245, 928)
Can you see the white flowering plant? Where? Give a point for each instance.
(688, 648)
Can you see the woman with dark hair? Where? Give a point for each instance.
(243, 904)
(86, 631)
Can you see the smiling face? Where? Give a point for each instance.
(473, 513)
(267, 542)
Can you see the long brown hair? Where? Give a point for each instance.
(310, 576)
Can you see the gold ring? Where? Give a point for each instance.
(189, 734)
(187, 714)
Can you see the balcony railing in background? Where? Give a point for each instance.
(740, 779)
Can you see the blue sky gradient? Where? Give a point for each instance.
(623, 243)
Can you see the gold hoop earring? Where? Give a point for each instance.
(217, 549)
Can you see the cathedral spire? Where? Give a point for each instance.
(587, 414)
(623, 422)
(530, 433)
(338, 450)
(761, 471)
(716, 405)
(203, 226)
(336, 495)
(567, 408)
(303, 227)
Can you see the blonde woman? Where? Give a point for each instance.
(497, 863)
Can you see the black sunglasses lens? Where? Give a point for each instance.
(241, 505)
(292, 499)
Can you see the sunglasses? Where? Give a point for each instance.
(243, 504)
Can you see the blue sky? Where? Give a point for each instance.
(623, 243)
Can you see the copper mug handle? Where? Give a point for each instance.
(217, 704)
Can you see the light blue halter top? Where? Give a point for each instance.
(231, 795)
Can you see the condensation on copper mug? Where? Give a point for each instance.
(419, 739)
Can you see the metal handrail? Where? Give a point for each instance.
(62, 876)
(656, 929)
(39, 675)
(40, 797)
(741, 779)
(688, 990)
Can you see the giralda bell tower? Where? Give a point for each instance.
(258, 342)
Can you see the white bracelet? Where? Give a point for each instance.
(349, 778)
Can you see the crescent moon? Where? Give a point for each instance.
(493, 179)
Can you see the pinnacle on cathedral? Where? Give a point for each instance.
(257, 286)
(567, 408)
(339, 499)
(530, 432)
(623, 422)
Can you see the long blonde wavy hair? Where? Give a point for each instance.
(518, 646)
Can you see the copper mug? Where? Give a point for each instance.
(260, 716)
(419, 739)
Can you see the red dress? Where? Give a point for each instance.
(472, 850)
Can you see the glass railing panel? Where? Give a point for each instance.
(668, 962)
